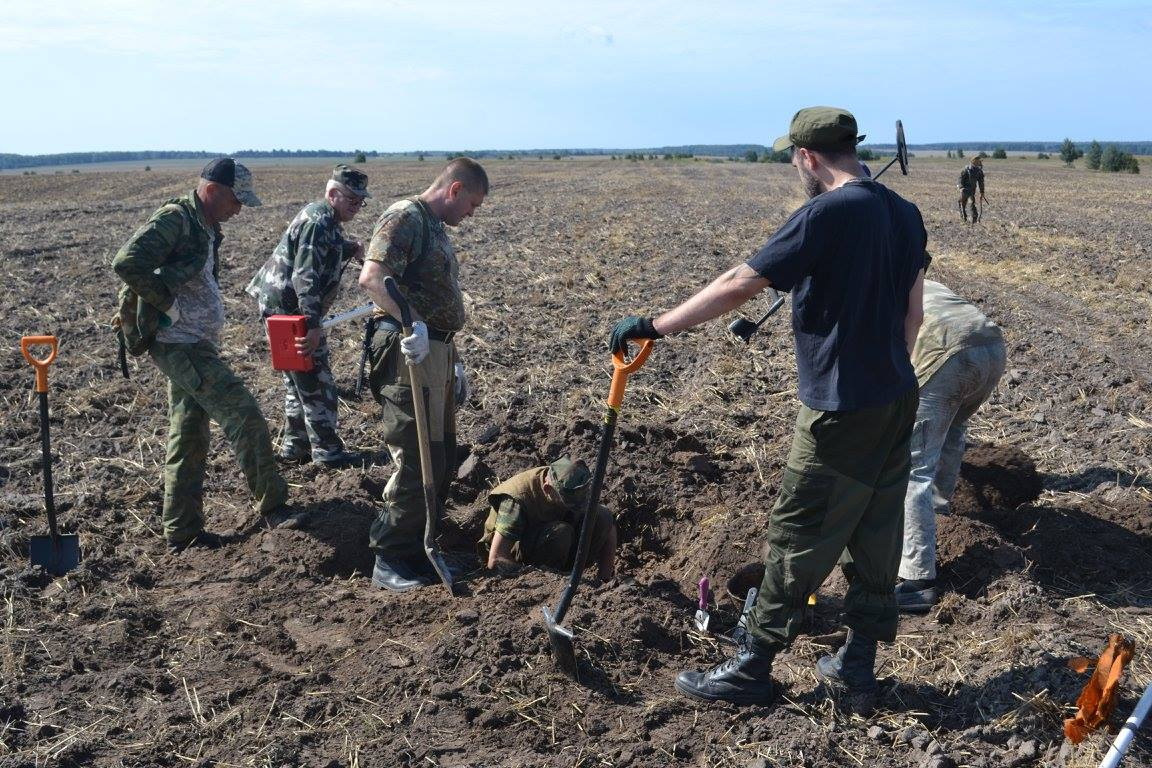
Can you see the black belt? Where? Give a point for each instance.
(390, 323)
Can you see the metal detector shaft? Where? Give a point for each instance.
(881, 173)
(344, 317)
(776, 304)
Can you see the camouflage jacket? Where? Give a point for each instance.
(302, 276)
(171, 248)
(410, 241)
(970, 177)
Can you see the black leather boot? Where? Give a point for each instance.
(746, 678)
(396, 575)
(850, 674)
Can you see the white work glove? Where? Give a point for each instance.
(169, 317)
(461, 388)
(415, 347)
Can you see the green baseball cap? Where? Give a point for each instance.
(570, 478)
(817, 127)
(356, 181)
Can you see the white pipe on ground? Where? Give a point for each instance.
(1128, 732)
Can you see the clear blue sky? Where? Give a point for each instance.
(403, 75)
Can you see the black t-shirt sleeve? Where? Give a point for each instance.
(793, 250)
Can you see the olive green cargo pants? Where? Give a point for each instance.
(398, 530)
(841, 498)
(202, 388)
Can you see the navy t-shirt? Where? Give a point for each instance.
(849, 256)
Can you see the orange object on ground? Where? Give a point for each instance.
(1098, 699)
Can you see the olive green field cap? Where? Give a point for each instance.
(819, 127)
(356, 181)
(570, 478)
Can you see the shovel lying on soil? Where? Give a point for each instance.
(563, 650)
(56, 553)
(431, 504)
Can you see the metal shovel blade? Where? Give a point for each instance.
(55, 556)
(563, 647)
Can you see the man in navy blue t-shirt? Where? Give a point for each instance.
(853, 259)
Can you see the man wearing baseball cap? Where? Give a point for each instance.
(853, 257)
(535, 519)
(171, 308)
(302, 277)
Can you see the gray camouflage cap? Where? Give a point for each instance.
(231, 174)
(356, 181)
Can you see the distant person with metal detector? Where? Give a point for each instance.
(534, 519)
(970, 178)
(853, 257)
(171, 308)
(959, 358)
(302, 277)
(410, 243)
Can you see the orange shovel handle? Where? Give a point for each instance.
(622, 368)
(41, 365)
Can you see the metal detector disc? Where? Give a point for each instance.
(742, 329)
(901, 149)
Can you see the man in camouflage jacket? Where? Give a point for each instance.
(302, 277)
(171, 307)
(970, 178)
(409, 243)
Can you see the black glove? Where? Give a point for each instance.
(631, 327)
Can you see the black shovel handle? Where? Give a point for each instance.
(620, 373)
(41, 365)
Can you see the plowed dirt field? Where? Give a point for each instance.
(275, 650)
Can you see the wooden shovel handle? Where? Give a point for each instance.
(41, 365)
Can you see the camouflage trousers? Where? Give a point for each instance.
(202, 388)
(841, 498)
(398, 530)
(968, 196)
(310, 405)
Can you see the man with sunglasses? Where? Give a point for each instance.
(302, 277)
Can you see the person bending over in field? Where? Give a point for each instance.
(535, 519)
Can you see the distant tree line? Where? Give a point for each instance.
(9, 161)
(1110, 158)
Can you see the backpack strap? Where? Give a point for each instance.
(410, 276)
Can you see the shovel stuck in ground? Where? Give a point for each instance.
(56, 553)
(420, 408)
(563, 649)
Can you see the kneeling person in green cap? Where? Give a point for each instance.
(535, 519)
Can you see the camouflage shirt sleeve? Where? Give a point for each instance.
(316, 248)
(137, 261)
(980, 179)
(510, 519)
(396, 236)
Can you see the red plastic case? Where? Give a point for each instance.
(282, 333)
